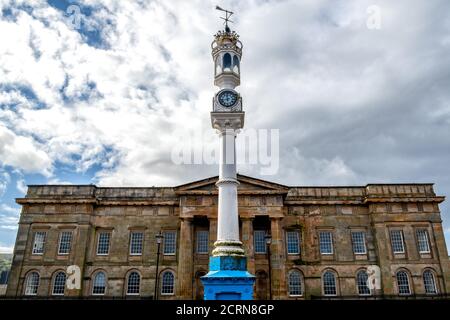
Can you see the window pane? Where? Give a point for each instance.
(293, 242)
(59, 284)
(260, 241)
(422, 241)
(326, 242)
(397, 241)
(167, 285)
(39, 242)
(429, 282)
(295, 284)
(169, 242)
(136, 243)
(359, 242)
(329, 284)
(103, 243)
(32, 284)
(65, 241)
(202, 241)
(363, 288)
(134, 282)
(99, 286)
(403, 283)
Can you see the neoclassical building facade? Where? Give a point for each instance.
(301, 242)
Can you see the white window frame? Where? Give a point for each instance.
(162, 283)
(199, 248)
(60, 242)
(331, 242)
(128, 284)
(132, 234)
(433, 278)
(300, 283)
(408, 279)
(28, 284)
(355, 244)
(260, 233)
(93, 283)
(41, 243)
(54, 282)
(98, 243)
(335, 284)
(297, 234)
(400, 232)
(165, 233)
(358, 286)
(425, 241)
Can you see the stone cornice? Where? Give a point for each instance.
(100, 202)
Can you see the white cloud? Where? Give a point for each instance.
(21, 186)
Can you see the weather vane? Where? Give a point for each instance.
(227, 17)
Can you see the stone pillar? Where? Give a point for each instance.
(212, 233)
(442, 253)
(247, 241)
(277, 260)
(185, 260)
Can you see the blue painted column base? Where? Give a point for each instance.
(228, 279)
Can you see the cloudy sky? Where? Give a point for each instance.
(101, 91)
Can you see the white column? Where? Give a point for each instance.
(228, 242)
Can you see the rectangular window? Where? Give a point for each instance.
(422, 241)
(39, 242)
(293, 242)
(170, 242)
(326, 242)
(136, 243)
(103, 243)
(359, 242)
(65, 242)
(202, 241)
(397, 241)
(259, 237)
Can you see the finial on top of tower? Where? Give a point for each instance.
(228, 14)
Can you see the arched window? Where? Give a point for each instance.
(235, 64)
(329, 284)
(429, 282)
(134, 283)
(227, 62)
(295, 283)
(361, 283)
(403, 283)
(99, 285)
(168, 283)
(59, 284)
(32, 284)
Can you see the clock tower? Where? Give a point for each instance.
(228, 277)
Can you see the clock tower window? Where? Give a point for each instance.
(227, 62)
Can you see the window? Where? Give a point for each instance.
(226, 61)
(235, 64)
(259, 237)
(293, 242)
(136, 243)
(326, 242)
(397, 241)
(65, 242)
(295, 283)
(329, 284)
(361, 283)
(359, 242)
(99, 285)
(134, 283)
(168, 282)
(202, 241)
(403, 283)
(429, 282)
(59, 284)
(170, 241)
(422, 241)
(39, 242)
(32, 284)
(103, 243)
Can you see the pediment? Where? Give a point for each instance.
(246, 185)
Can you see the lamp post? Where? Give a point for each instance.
(268, 238)
(159, 237)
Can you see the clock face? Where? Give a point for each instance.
(227, 98)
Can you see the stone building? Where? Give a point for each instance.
(324, 241)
